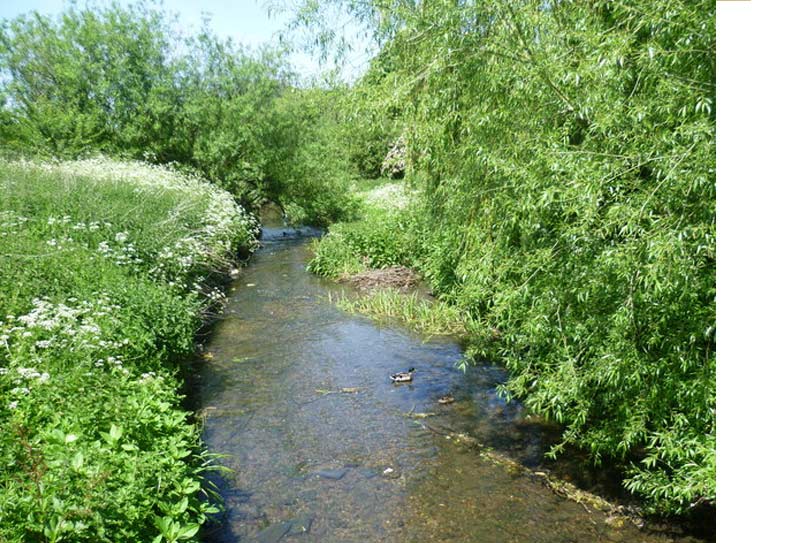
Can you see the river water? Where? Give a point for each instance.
(324, 448)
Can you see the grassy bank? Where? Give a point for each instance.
(107, 271)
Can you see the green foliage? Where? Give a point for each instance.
(317, 176)
(229, 128)
(122, 81)
(89, 80)
(334, 255)
(377, 241)
(105, 271)
(565, 156)
(369, 131)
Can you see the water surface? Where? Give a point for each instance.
(314, 462)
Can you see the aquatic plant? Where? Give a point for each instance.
(428, 317)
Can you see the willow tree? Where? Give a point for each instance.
(565, 151)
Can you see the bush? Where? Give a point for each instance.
(105, 273)
(377, 241)
(90, 80)
(316, 177)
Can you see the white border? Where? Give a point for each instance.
(758, 136)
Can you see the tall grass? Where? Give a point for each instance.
(106, 272)
(426, 317)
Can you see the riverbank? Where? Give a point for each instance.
(392, 234)
(108, 269)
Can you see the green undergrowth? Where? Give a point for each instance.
(426, 317)
(381, 238)
(107, 272)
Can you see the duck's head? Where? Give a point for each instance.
(411, 370)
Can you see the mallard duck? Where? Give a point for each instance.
(446, 399)
(403, 376)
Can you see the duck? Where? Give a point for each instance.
(446, 399)
(403, 376)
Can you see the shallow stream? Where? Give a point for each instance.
(325, 448)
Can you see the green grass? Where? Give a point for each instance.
(107, 272)
(426, 317)
(364, 185)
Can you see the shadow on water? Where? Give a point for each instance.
(325, 448)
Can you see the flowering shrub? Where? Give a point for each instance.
(106, 272)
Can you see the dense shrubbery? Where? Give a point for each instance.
(121, 80)
(317, 177)
(104, 274)
(353, 247)
(564, 152)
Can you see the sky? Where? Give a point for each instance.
(246, 21)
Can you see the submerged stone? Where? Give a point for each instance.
(334, 474)
(428, 453)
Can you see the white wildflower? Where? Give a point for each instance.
(28, 373)
(147, 376)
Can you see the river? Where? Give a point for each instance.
(324, 448)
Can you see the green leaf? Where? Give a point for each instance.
(188, 531)
(115, 433)
(77, 461)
